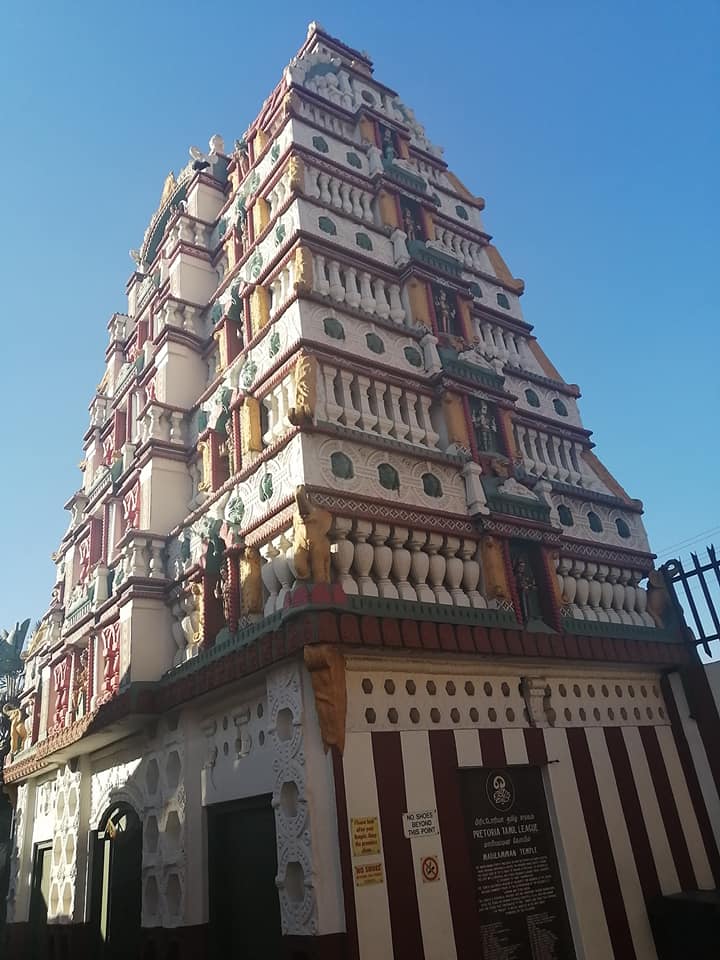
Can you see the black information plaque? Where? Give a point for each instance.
(518, 890)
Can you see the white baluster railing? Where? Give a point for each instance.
(344, 196)
(596, 591)
(364, 403)
(357, 289)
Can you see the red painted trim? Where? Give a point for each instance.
(492, 746)
(451, 817)
(345, 857)
(703, 709)
(632, 810)
(402, 893)
(691, 776)
(599, 838)
(535, 746)
(668, 809)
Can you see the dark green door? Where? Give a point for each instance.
(116, 885)
(39, 895)
(242, 864)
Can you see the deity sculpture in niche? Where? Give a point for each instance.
(485, 424)
(388, 145)
(409, 224)
(526, 587)
(445, 311)
(222, 592)
(311, 546)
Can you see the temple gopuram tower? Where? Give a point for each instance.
(355, 648)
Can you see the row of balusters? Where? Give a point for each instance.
(357, 288)
(372, 559)
(339, 194)
(365, 403)
(467, 251)
(596, 591)
(501, 344)
(324, 118)
(553, 458)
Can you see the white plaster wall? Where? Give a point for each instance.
(309, 214)
(355, 340)
(231, 738)
(321, 801)
(303, 134)
(146, 628)
(181, 374)
(192, 279)
(490, 291)
(204, 201)
(317, 451)
(546, 396)
(579, 507)
(287, 472)
(165, 491)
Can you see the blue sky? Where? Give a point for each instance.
(590, 128)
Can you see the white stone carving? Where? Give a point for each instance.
(295, 878)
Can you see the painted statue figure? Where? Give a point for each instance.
(311, 547)
(445, 312)
(18, 730)
(409, 224)
(305, 376)
(388, 146)
(251, 591)
(526, 587)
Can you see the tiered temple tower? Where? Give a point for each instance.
(341, 536)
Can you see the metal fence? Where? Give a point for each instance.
(695, 595)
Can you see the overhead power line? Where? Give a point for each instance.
(688, 542)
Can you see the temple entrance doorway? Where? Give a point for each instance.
(39, 896)
(116, 884)
(242, 865)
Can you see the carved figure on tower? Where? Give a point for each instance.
(305, 376)
(485, 427)
(388, 145)
(526, 588)
(409, 224)
(251, 593)
(493, 568)
(445, 312)
(80, 683)
(311, 546)
(18, 729)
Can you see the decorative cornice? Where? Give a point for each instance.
(343, 504)
(599, 553)
(322, 614)
(569, 389)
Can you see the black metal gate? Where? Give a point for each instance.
(695, 594)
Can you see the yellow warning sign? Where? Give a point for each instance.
(365, 836)
(367, 873)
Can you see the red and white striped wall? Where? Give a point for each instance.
(633, 802)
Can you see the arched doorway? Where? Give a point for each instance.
(116, 884)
